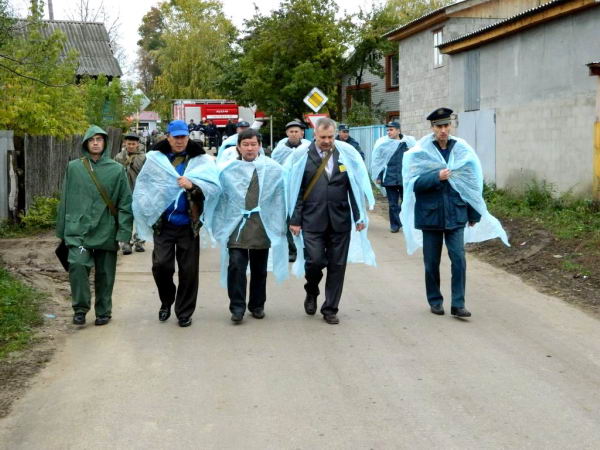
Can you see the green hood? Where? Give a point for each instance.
(92, 131)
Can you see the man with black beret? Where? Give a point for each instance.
(344, 136)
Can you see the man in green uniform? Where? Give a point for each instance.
(94, 215)
(133, 158)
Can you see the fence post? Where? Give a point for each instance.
(6, 145)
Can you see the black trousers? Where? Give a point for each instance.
(177, 243)
(328, 249)
(237, 281)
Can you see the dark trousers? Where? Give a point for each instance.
(432, 253)
(326, 250)
(237, 281)
(176, 243)
(394, 195)
(104, 263)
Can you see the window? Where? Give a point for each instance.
(392, 77)
(438, 58)
(391, 116)
(360, 94)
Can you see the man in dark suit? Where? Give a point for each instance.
(442, 214)
(324, 216)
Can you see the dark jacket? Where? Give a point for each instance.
(354, 143)
(331, 200)
(438, 206)
(393, 174)
(194, 196)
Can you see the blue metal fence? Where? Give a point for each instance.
(366, 137)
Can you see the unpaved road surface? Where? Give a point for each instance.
(524, 372)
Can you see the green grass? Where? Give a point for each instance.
(40, 217)
(566, 216)
(19, 313)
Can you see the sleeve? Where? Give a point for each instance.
(428, 182)
(296, 218)
(62, 207)
(354, 206)
(472, 214)
(124, 214)
(138, 163)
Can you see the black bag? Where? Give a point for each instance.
(62, 253)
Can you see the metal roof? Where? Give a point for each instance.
(91, 41)
(525, 13)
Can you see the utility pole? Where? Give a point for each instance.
(50, 10)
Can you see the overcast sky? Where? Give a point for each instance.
(131, 13)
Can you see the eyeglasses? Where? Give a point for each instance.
(96, 139)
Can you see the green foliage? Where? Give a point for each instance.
(41, 214)
(566, 216)
(287, 53)
(151, 31)
(362, 114)
(37, 90)
(19, 313)
(190, 51)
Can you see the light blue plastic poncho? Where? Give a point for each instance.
(282, 151)
(156, 188)
(235, 177)
(360, 250)
(383, 150)
(229, 152)
(231, 141)
(466, 179)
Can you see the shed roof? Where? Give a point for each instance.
(91, 41)
(526, 19)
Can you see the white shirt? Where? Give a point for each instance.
(329, 167)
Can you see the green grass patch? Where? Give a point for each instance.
(19, 313)
(566, 216)
(40, 217)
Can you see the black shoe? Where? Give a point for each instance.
(437, 309)
(331, 319)
(310, 304)
(394, 230)
(126, 248)
(292, 257)
(79, 318)
(102, 320)
(139, 248)
(237, 318)
(258, 313)
(164, 314)
(460, 312)
(185, 322)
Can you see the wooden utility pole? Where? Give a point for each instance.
(50, 10)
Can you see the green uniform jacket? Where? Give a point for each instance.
(83, 217)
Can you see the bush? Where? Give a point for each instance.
(41, 214)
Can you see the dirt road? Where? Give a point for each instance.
(524, 372)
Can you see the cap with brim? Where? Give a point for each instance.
(343, 127)
(243, 124)
(178, 128)
(294, 123)
(131, 137)
(441, 116)
(393, 124)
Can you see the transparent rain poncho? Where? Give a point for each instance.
(360, 248)
(282, 151)
(156, 188)
(383, 150)
(230, 153)
(235, 177)
(466, 179)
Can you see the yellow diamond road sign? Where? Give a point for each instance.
(315, 99)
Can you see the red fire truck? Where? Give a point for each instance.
(217, 110)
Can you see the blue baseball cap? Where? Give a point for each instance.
(243, 124)
(393, 124)
(343, 127)
(178, 128)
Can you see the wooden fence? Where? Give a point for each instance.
(42, 161)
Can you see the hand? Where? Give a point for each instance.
(472, 224)
(360, 226)
(377, 181)
(444, 174)
(184, 183)
(295, 229)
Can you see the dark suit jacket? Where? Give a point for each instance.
(331, 200)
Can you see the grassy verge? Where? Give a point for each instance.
(565, 216)
(19, 313)
(40, 217)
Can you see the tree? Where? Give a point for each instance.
(190, 52)
(287, 53)
(151, 42)
(37, 82)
